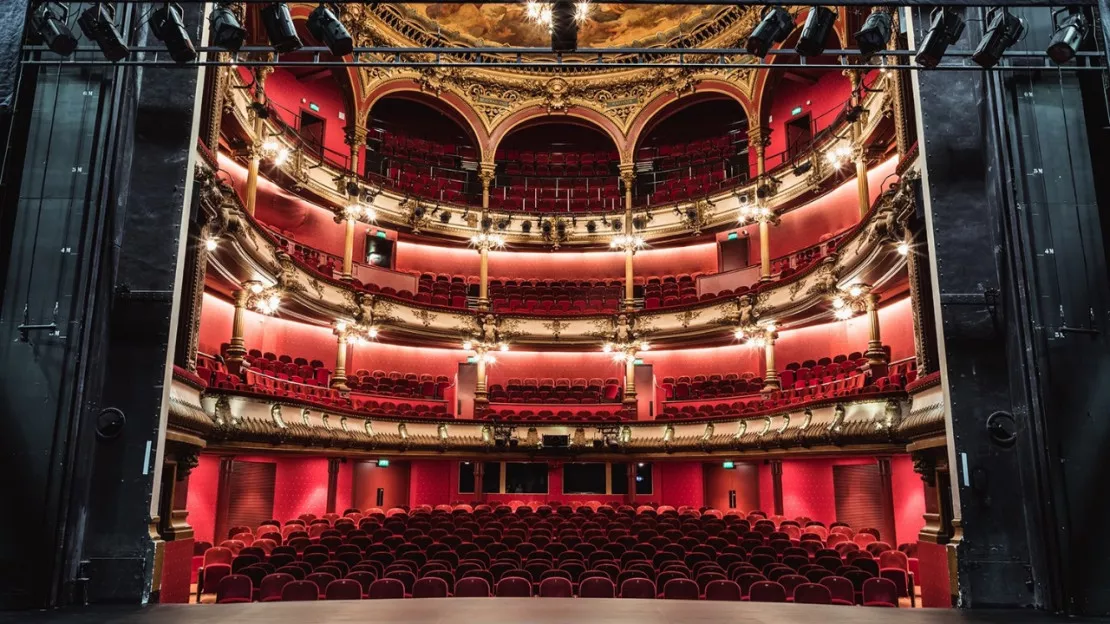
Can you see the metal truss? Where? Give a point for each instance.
(543, 58)
(1013, 4)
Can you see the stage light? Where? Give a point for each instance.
(946, 28)
(775, 27)
(325, 26)
(815, 31)
(1004, 31)
(279, 28)
(168, 26)
(1068, 37)
(227, 33)
(98, 24)
(875, 33)
(49, 23)
(564, 26)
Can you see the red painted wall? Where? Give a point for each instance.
(821, 100)
(421, 360)
(909, 499)
(521, 364)
(177, 564)
(679, 483)
(344, 486)
(201, 502)
(766, 489)
(896, 329)
(286, 93)
(433, 482)
(707, 361)
(807, 489)
(266, 333)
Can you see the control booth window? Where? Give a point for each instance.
(619, 478)
(521, 478)
(585, 478)
(491, 477)
(466, 477)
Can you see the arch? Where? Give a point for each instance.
(345, 77)
(473, 121)
(669, 102)
(538, 111)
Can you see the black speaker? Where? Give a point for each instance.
(732, 499)
(380, 497)
(556, 441)
(564, 28)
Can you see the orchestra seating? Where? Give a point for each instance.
(586, 550)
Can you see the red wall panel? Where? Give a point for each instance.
(744, 478)
(177, 562)
(679, 483)
(934, 580)
(368, 477)
(807, 489)
(421, 360)
(201, 501)
(291, 96)
(521, 364)
(766, 489)
(215, 324)
(909, 499)
(301, 486)
(707, 361)
(433, 482)
(344, 487)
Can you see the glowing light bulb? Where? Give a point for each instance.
(468, 345)
(282, 156)
(271, 145)
(855, 291)
(489, 359)
(739, 334)
(341, 326)
(256, 288)
(843, 314)
(504, 347)
(903, 248)
(274, 301)
(372, 332)
(607, 348)
(533, 10)
(837, 303)
(645, 346)
(582, 11)
(212, 243)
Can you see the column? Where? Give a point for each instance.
(481, 399)
(630, 379)
(260, 74)
(479, 474)
(483, 276)
(628, 178)
(757, 140)
(348, 249)
(632, 467)
(776, 486)
(181, 457)
(339, 377)
(771, 374)
(859, 152)
(333, 483)
(886, 503)
(629, 277)
(486, 174)
(764, 250)
(355, 137)
(876, 356)
(236, 350)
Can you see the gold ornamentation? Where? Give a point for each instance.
(795, 288)
(556, 328)
(426, 317)
(688, 317)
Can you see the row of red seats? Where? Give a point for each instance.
(716, 147)
(496, 413)
(391, 143)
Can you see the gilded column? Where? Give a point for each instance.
(859, 153)
(764, 250)
(355, 137)
(483, 277)
(236, 350)
(771, 375)
(629, 399)
(260, 74)
(220, 78)
(876, 356)
(339, 377)
(348, 249)
(757, 139)
(628, 178)
(486, 175)
(481, 397)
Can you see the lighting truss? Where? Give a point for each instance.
(544, 58)
(1012, 4)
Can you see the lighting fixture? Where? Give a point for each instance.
(775, 27)
(946, 28)
(489, 359)
(582, 11)
(626, 242)
(855, 291)
(875, 33)
(325, 26)
(754, 212)
(839, 156)
(757, 342)
(279, 28)
(372, 332)
(488, 240)
(843, 313)
(49, 23)
(211, 243)
(226, 31)
(503, 347)
(168, 26)
(564, 25)
(816, 31)
(1068, 37)
(903, 248)
(281, 156)
(256, 288)
(98, 24)
(740, 334)
(1004, 31)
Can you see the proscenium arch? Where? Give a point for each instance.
(589, 117)
(668, 103)
(408, 86)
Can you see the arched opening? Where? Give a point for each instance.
(423, 148)
(695, 147)
(556, 166)
(798, 105)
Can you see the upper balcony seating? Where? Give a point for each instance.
(556, 391)
(408, 148)
(556, 296)
(558, 164)
(500, 413)
(694, 153)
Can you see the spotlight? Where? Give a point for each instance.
(1068, 37)
(1004, 31)
(98, 24)
(815, 31)
(49, 23)
(564, 26)
(325, 26)
(946, 28)
(168, 26)
(227, 33)
(775, 27)
(279, 28)
(875, 33)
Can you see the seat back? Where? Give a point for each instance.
(722, 590)
(429, 587)
(514, 587)
(680, 589)
(472, 587)
(234, 588)
(597, 587)
(296, 591)
(767, 591)
(387, 588)
(812, 593)
(556, 587)
(638, 588)
(880, 592)
(272, 584)
(343, 589)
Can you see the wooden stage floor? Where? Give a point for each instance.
(521, 611)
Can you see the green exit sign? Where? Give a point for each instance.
(383, 463)
(314, 106)
(728, 465)
(733, 235)
(796, 111)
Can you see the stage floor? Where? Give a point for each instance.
(520, 611)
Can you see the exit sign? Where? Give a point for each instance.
(728, 465)
(796, 111)
(314, 106)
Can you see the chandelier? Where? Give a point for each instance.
(849, 301)
(839, 156)
(541, 12)
(264, 299)
(356, 333)
(625, 352)
(755, 212)
(275, 151)
(756, 336)
(359, 212)
(487, 241)
(626, 242)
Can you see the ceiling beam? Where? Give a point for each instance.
(855, 3)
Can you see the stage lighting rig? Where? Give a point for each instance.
(48, 23)
(227, 33)
(875, 33)
(816, 30)
(98, 23)
(279, 28)
(1068, 37)
(946, 28)
(1004, 31)
(168, 26)
(775, 27)
(325, 26)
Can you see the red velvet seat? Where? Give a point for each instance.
(297, 591)
(681, 589)
(638, 588)
(234, 588)
(880, 592)
(387, 588)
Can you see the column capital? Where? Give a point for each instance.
(628, 173)
(354, 135)
(759, 136)
(486, 172)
